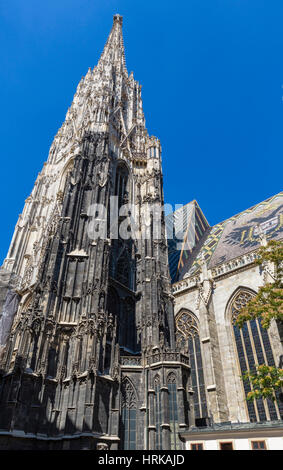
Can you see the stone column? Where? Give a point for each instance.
(213, 373)
(165, 426)
(151, 420)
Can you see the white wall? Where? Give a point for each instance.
(272, 443)
(275, 443)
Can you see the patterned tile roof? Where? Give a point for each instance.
(238, 235)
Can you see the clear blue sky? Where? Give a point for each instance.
(212, 76)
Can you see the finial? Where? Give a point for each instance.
(118, 18)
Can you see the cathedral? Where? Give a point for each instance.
(212, 280)
(112, 335)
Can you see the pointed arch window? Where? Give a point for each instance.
(121, 184)
(188, 338)
(31, 346)
(122, 268)
(253, 348)
(128, 416)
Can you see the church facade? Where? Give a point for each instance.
(215, 279)
(101, 345)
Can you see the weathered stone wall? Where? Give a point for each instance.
(223, 374)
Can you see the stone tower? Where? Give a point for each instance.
(90, 359)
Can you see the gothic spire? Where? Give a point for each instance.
(113, 52)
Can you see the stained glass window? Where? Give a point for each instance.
(254, 348)
(128, 416)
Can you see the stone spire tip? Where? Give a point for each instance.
(118, 19)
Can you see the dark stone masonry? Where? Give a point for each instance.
(91, 361)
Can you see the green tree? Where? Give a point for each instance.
(267, 305)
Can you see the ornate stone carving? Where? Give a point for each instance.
(240, 301)
(171, 378)
(129, 398)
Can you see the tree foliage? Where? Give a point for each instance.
(265, 381)
(266, 305)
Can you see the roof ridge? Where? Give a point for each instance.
(248, 209)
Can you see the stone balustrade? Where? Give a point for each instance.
(219, 270)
